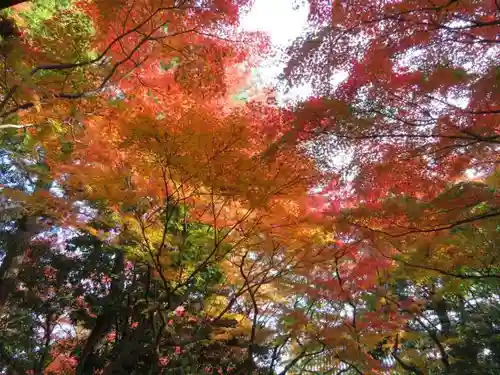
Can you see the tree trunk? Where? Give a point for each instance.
(104, 321)
(15, 248)
(441, 309)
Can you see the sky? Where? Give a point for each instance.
(283, 22)
(278, 18)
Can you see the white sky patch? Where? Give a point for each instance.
(283, 22)
(278, 18)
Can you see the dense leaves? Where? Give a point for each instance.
(415, 116)
(152, 222)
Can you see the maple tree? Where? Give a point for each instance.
(151, 223)
(415, 115)
(36, 94)
(139, 174)
(421, 87)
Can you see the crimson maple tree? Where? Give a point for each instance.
(416, 117)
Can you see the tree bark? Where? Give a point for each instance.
(104, 321)
(15, 248)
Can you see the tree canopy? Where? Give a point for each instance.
(161, 215)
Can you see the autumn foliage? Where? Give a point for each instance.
(151, 223)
